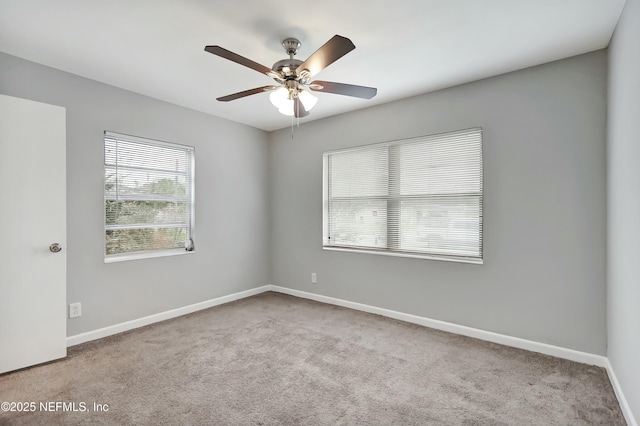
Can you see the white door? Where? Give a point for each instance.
(32, 217)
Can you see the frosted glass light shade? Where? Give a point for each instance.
(279, 97)
(308, 100)
(287, 107)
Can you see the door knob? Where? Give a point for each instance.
(55, 248)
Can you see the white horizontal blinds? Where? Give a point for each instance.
(440, 183)
(148, 194)
(358, 187)
(427, 197)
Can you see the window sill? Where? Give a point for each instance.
(146, 255)
(407, 255)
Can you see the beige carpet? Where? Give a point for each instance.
(274, 359)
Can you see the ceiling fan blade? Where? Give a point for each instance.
(298, 109)
(246, 93)
(343, 89)
(227, 54)
(330, 52)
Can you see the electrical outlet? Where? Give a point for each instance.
(314, 278)
(75, 310)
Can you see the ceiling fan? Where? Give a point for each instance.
(291, 96)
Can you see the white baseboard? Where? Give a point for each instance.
(140, 322)
(529, 345)
(570, 354)
(624, 405)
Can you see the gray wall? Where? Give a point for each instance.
(543, 277)
(623, 179)
(231, 203)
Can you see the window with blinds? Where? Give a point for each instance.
(419, 197)
(148, 197)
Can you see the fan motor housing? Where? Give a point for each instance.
(287, 66)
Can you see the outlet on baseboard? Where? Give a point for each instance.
(314, 278)
(75, 310)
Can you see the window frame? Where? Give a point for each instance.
(393, 200)
(189, 196)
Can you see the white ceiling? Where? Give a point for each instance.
(403, 47)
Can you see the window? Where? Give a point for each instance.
(419, 197)
(148, 197)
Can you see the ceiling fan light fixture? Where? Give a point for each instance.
(282, 99)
